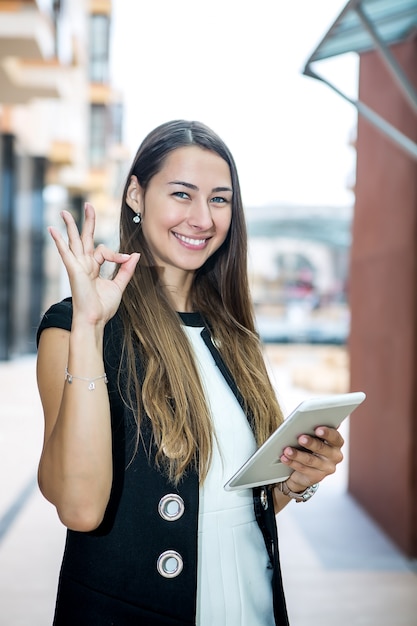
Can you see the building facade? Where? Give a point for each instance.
(60, 145)
(383, 292)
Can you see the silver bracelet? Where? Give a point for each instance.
(298, 497)
(91, 381)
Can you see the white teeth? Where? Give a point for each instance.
(191, 242)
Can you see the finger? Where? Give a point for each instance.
(87, 233)
(322, 448)
(325, 438)
(320, 456)
(297, 458)
(126, 270)
(313, 468)
(103, 253)
(68, 258)
(330, 435)
(74, 241)
(61, 245)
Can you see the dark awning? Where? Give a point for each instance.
(365, 25)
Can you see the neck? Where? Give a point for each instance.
(179, 301)
(178, 289)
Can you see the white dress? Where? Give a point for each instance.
(234, 576)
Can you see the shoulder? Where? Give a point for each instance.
(59, 315)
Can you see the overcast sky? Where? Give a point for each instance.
(236, 65)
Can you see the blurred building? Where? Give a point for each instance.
(299, 264)
(383, 286)
(60, 145)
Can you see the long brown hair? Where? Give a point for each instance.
(169, 392)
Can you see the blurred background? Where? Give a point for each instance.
(82, 83)
(317, 100)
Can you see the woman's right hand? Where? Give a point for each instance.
(76, 465)
(95, 299)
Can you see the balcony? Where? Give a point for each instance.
(25, 31)
(21, 80)
(30, 62)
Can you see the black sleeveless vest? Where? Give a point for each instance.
(115, 576)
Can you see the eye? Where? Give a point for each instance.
(220, 200)
(181, 194)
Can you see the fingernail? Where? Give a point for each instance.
(320, 432)
(303, 440)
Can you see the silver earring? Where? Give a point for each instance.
(138, 218)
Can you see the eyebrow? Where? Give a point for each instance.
(195, 188)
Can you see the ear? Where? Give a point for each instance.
(134, 195)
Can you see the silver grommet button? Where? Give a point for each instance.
(264, 499)
(170, 564)
(171, 507)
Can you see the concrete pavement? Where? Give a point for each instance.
(339, 568)
(31, 537)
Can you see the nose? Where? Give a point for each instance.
(199, 216)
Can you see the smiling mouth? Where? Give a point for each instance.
(189, 241)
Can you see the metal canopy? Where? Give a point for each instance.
(365, 25)
(395, 21)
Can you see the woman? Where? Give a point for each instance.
(155, 392)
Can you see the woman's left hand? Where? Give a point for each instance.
(324, 453)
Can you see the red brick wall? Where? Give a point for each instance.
(383, 299)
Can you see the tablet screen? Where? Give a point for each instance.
(264, 466)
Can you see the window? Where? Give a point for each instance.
(117, 122)
(99, 48)
(98, 134)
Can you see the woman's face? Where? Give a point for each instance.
(186, 210)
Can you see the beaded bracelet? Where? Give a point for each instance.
(91, 381)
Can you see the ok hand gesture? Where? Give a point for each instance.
(95, 299)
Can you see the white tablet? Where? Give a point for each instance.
(264, 466)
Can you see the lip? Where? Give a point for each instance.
(192, 243)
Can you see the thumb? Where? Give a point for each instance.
(126, 270)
